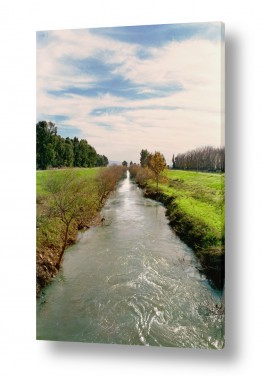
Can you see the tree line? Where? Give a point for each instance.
(207, 158)
(52, 150)
(152, 166)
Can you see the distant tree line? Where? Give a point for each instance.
(206, 158)
(125, 163)
(53, 150)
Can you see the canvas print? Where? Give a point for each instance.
(130, 177)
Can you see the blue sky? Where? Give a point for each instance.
(127, 88)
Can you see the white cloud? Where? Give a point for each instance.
(144, 123)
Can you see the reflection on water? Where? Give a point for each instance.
(131, 281)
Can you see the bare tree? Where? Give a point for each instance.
(107, 179)
(67, 201)
(207, 158)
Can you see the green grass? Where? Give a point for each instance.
(199, 196)
(205, 179)
(42, 196)
(42, 175)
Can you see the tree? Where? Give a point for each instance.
(45, 154)
(53, 150)
(173, 161)
(105, 160)
(68, 153)
(106, 181)
(59, 146)
(91, 156)
(77, 157)
(144, 154)
(101, 161)
(156, 163)
(207, 158)
(68, 196)
(124, 163)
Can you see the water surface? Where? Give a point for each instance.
(131, 281)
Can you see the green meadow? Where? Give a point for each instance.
(199, 195)
(43, 175)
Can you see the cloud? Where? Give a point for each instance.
(159, 35)
(123, 92)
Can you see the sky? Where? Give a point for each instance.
(124, 89)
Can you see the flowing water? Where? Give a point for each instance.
(131, 281)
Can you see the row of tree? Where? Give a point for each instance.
(151, 166)
(207, 158)
(52, 150)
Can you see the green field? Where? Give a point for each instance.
(200, 195)
(42, 175)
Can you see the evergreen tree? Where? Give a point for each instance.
(52, 150)
(173, 162)
(45, 154)
(144, 154)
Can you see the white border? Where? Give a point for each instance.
(20, 352)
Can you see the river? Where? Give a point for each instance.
(131, 281)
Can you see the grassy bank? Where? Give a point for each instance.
(195, 208)
(200, 196)
(67, 201)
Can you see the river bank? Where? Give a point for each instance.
(49, 251)
(212, 258)
(195, 208)
(58, 224)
